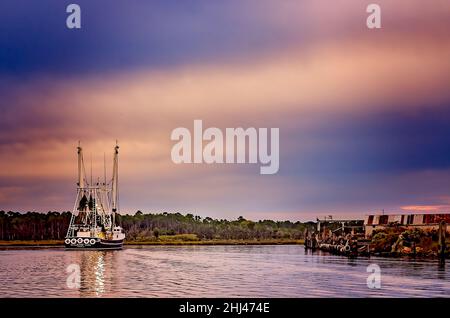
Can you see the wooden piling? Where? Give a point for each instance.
(442, 233)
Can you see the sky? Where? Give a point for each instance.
(364, 114)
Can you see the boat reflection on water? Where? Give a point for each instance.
(96, 271)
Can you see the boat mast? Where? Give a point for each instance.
(80, 188)
(80, 166)
(115, 183)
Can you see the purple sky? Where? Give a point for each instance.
(364, 115)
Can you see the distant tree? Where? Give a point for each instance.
(53, 226)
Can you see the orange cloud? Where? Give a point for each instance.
(426, 208)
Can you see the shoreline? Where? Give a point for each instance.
(60, 243)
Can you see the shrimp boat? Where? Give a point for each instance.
(93, 220)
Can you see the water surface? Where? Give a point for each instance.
(213, 271)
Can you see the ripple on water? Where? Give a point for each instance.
(214, 271)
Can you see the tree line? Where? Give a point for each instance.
(145, 226)
(33, 225)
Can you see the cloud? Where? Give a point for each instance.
(10, 193)
(348, 104)
(426, 208)
(125, 36)
(340, 78)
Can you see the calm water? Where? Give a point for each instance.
(213, 271)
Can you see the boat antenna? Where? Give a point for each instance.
(91, 168)
(104, 168)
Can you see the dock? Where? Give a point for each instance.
(364, 237)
